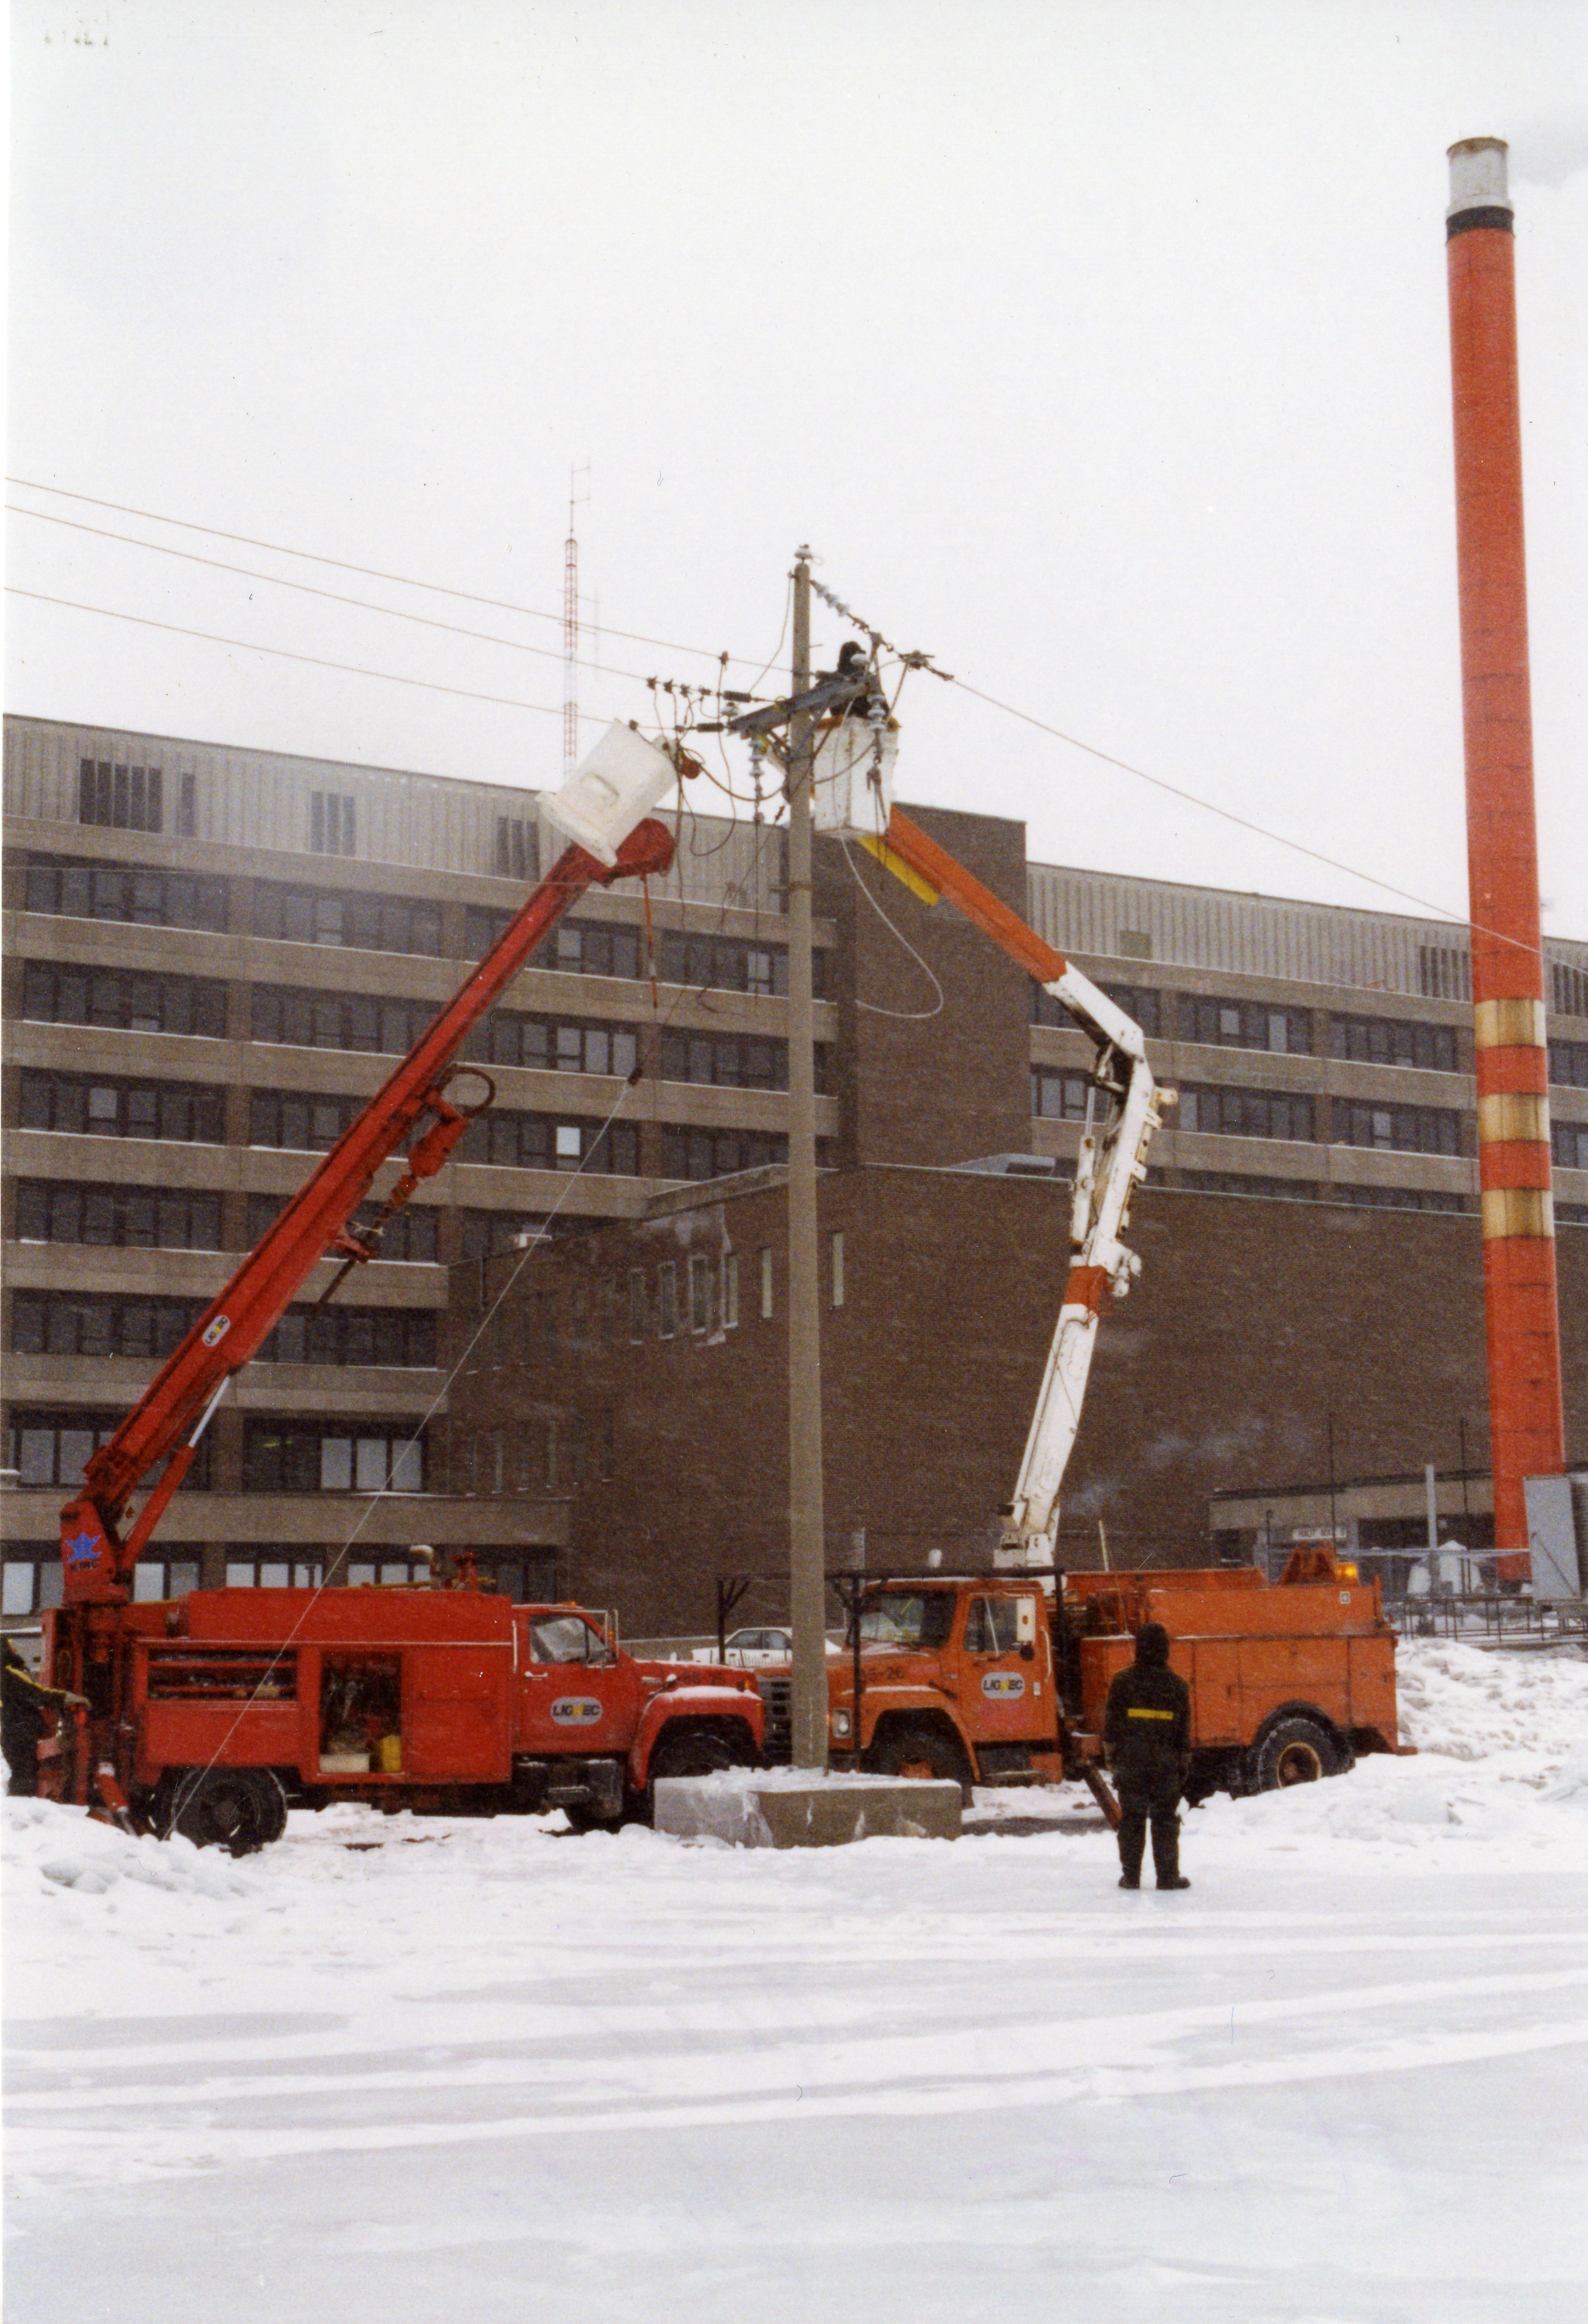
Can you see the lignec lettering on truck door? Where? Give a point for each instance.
(575, 1711)
(1003, 1685)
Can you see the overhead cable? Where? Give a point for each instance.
(1244, 823)
(284, 653)
(369, 572)
(307, 588)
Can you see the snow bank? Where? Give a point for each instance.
(46, 1848)
(1465, 1704)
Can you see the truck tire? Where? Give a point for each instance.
(240, 1809)
(925, 1752)
(698, 1751)
(1295, 1750)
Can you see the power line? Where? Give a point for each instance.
(1244, 823)
(368, 572)
(332, 596)
(282, 653)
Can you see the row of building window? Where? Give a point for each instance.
(97, 1323)
(577, 947)
(119, 1324)
(1060, 1096)
(131, 1001)
(321, 915)
(125, 1001)
(338, 1020)
(141, 1002)
(121, 1218)
(392, 1336)
(1395, 1041)
(1214, 1022)
(701, 1154)
(553, 1045)
(300, 1456)
(85, 1105)
(178, 1218)
(116, 891)
(539, 1142)
(732, 1061)
(1246, 1114)
(412, 1235)
(52, 1448)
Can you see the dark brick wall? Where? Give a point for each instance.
(1253, 1322)
(934, 1073)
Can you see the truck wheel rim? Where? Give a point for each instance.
(1298, 1764)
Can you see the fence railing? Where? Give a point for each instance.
(1485, 1617)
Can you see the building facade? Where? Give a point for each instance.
(213, 956)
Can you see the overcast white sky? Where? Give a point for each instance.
(1100, 350)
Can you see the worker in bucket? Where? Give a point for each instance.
(1146, 1743)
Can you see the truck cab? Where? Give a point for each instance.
(953, 1678)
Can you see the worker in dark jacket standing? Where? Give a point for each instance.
(1147, 1742)
(25, 1705)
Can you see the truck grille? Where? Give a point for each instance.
(777, 1692)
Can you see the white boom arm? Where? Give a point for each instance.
(1111, 1165)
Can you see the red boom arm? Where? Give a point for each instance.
(169, 1419)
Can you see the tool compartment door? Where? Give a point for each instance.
(456, 1714)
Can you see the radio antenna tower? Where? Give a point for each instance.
(571, 629)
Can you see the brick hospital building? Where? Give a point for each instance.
(214, 955)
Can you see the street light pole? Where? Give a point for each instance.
(807, 1553)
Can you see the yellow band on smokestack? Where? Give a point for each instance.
(1509, 1025)
(1524, 1212)
(1511, 1115)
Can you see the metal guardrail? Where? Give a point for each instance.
(1489, 1618)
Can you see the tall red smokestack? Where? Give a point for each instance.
(1526, 1422)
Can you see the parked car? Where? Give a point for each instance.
(757, 1649)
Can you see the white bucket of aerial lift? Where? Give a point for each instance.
(612, 787)
(852, 776)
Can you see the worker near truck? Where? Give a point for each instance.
(1146, 1743)
(26, 1703)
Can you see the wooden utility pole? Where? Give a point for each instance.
(806, 1551)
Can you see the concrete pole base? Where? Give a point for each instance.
(781, 1808)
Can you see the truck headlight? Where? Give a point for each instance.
(841, 1724)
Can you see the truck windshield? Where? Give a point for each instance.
(906, 1618)
(565, 1638)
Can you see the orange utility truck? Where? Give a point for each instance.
(988, 1679)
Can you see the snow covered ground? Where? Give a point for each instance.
(398, 2069)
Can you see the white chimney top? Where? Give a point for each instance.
(1477, 175)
